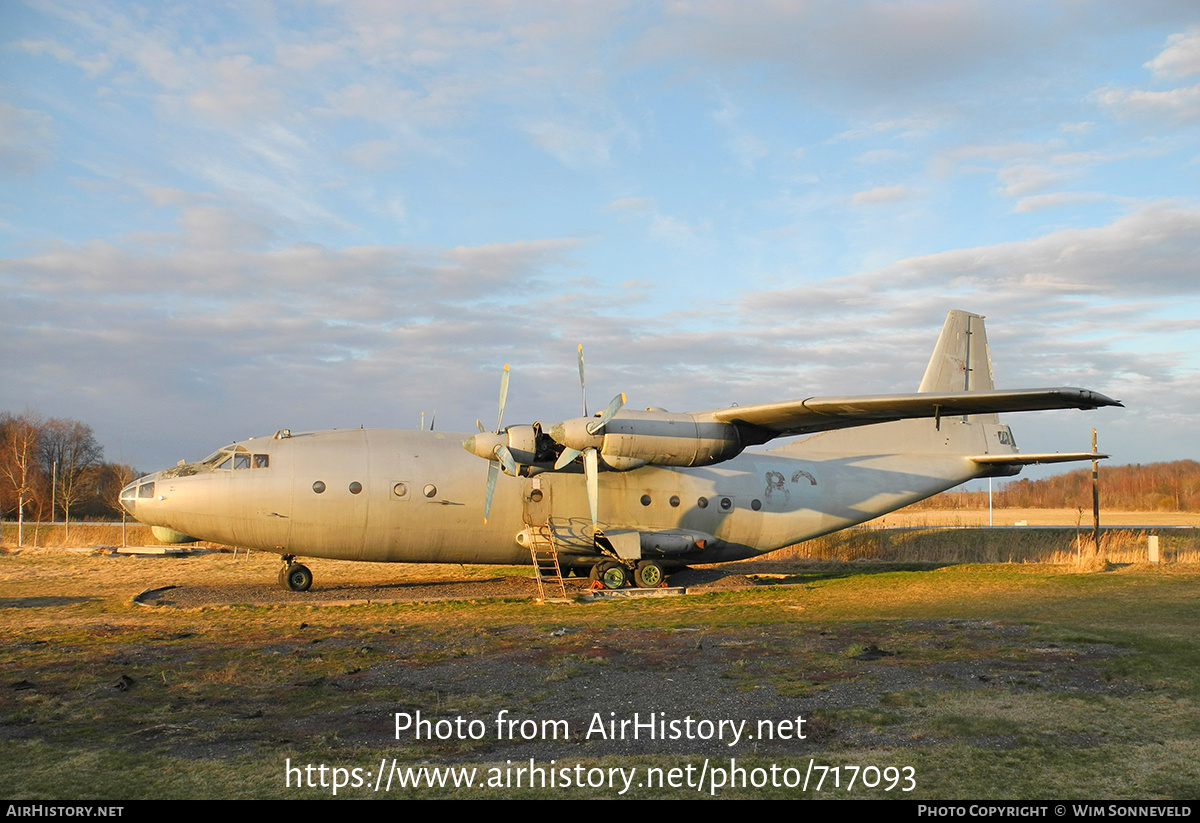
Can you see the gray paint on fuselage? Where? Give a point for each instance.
(276, 509)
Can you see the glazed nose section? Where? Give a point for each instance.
(142, 489)
(128, 498)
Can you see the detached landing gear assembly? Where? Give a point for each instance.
(294, 576)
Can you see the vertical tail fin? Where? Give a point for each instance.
(961, 361)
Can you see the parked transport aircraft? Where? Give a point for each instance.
(625, 494)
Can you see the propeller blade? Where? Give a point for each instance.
(493, 472)
(480, 425)
(591, 466)
(506, 459)
(503, 397)
(614, 406)
(582, 382)
(566, 457)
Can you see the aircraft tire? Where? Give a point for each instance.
(614, 575)
(299, 578)
(283, 576)
(648, 575)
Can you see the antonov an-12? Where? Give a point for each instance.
(625, 494)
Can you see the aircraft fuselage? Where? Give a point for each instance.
(389, 495)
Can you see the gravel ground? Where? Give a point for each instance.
(441, 586)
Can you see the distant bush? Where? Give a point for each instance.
(1163, 487)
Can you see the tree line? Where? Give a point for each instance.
(52, 469)
(1173, 486)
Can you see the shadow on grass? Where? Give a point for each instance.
(41, 602)
(776, 573)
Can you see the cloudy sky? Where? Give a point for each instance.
(222, 219)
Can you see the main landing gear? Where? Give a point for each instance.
(646, 574)
(294, 576)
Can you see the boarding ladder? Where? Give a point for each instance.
(544, 553)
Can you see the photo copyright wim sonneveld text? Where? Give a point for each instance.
(707, 777)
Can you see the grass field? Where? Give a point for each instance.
(957, 681)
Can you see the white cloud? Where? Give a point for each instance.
(1175, 106)
(574, 144)
(1151, 251)
(1025, 178)
(637, 205)
(1180, 58)
(881, 194)
(93, 66)
(1060, 199)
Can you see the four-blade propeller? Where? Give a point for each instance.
(577, 438)
(493, 447)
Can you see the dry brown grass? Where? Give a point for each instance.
(80, 535)
(1065, 546)
(1032, 517)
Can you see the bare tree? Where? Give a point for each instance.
(69, 453)
(19, 438)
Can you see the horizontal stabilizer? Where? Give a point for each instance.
(1030, 459)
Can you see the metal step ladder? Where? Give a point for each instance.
(544, 553)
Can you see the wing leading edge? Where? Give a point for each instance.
(761, 423)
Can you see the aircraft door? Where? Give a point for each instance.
(536, 502)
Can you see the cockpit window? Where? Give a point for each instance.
(146, 490)
(237, 457)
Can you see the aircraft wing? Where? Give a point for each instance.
(766, 421)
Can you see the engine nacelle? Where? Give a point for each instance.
(528, 446)
(637, 438)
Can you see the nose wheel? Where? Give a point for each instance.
(295, 576)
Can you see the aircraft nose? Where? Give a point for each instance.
(140, 489)
(128, 498)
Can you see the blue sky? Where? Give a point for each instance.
(218, 220)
